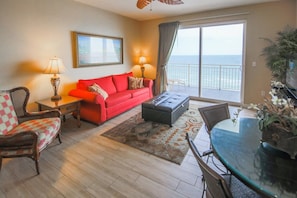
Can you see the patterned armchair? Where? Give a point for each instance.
(22, 133)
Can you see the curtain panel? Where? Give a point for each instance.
(167, 36)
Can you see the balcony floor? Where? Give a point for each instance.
(212, 94)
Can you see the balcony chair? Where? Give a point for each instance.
(216, 185)
(22, 133)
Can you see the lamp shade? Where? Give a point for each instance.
(55, 66)
(142, 60)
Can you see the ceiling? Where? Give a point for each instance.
(160, 10)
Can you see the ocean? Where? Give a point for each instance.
(218, 71)
(207, 59)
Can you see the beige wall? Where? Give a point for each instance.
(33, 31)
(262, 20)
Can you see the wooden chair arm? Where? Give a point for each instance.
(22, 140)
(40, 114)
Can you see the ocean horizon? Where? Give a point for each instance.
(206, 59)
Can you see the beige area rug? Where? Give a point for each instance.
(159, 139)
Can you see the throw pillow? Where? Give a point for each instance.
(96, 88)
(135, 83)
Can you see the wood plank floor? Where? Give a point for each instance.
(89, 165)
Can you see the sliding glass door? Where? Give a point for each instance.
(183, 67)
(217, 75)
(221, 62)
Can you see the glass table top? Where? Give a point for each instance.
(260, 166)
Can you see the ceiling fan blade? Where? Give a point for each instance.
(172, 2)
(142, 3)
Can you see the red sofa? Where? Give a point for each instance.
(120, 98)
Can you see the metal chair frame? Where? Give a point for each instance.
(214, 184)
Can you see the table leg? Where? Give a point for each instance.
(39, 107)
(78, 115)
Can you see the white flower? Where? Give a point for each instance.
(278, 111)
(284, 102)
(275, 100)
(277, 84)
(273, 92)
(253, 106)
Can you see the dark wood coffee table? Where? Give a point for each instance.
(165, 108)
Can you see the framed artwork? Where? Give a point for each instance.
(96, 50)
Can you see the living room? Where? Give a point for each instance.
(34, 31)
(37, 31)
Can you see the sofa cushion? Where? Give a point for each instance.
(8, 118)
(135, 83)
(84, 84)
(117, 98)
(137, 92)
(121, 81)
(96, 88)
(105, 83)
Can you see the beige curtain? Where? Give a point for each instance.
(167, 36)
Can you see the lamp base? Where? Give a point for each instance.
(55, 81)
(142, 68)
(55, 98)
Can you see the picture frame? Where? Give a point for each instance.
(96, 50)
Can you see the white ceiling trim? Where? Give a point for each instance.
(158, 10)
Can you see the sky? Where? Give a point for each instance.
(216, 40)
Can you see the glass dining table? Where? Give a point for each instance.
(270, 172)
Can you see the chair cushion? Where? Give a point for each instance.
(8, 118)
(47, 129)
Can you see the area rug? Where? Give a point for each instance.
(159, 139)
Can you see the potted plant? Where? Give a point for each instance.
(278, 120)
(281, 52)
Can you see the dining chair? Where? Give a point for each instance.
(211, 115)
(216, 185)
(23, 133)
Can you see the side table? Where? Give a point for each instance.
(66, 105)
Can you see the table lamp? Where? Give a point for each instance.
(142, 61)
(55, 66)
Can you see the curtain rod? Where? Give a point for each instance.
(214, 17)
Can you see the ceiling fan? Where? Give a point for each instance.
(142, 3)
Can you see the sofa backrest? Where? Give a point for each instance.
(121, 81)
(110, 84)
(8, 117)
(105, 83)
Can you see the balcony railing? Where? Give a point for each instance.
(220, 77)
